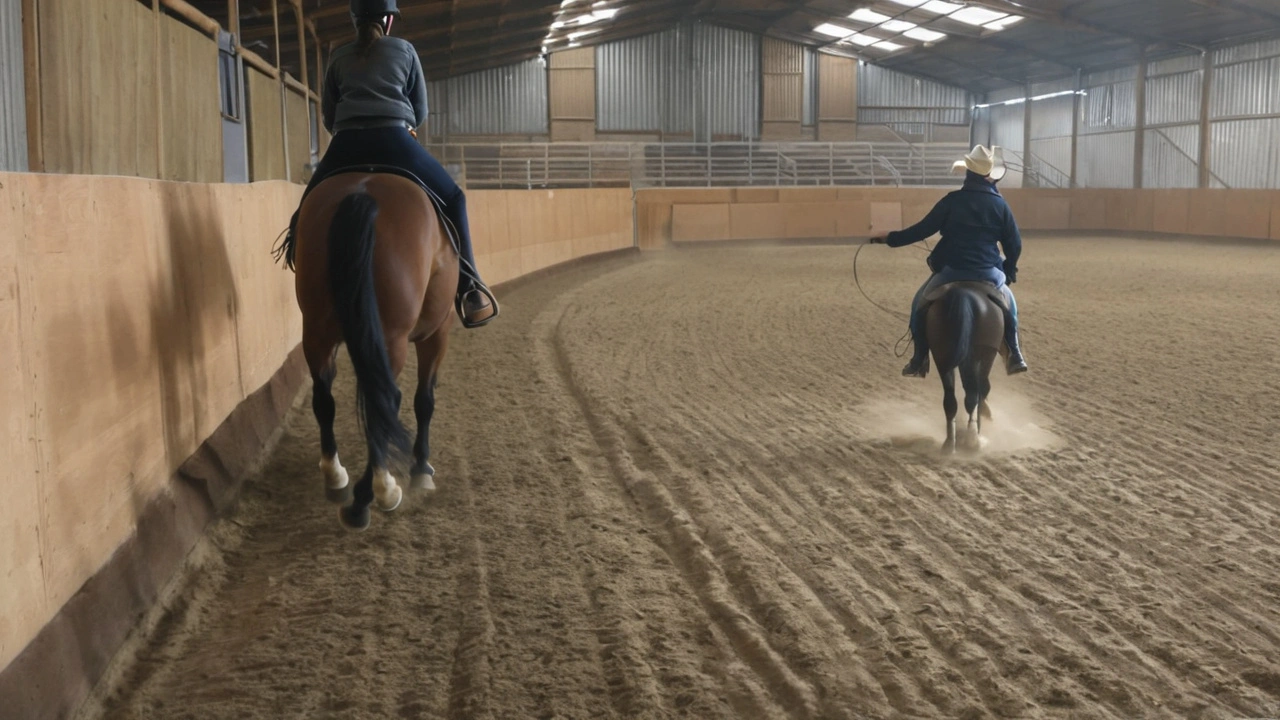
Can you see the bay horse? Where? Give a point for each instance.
(376, 269)
(964, 323)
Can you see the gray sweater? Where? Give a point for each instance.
(383, 89)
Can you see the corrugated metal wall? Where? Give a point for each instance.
(1171, 144)
(13, 107)
(888, 97)
(1244, 108)
(727, 83)
(1171, 157)
(694, 78)
(510, 100)
(643, 84)
(1108, 116)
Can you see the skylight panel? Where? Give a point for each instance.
(1003, 23)
(897, 25)
(833, 30)
(940, 7)
(910, 3)
(886, 45)
(924, 35)
(868, 16)
(977, 16)
(864, 39)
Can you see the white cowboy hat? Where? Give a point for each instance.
(983, 161)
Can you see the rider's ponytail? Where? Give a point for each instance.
(368, 32)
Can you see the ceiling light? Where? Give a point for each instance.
(924, 35)
(584, 19)
(864, 39)
(557, 25)
(886, 45)
(833, 30)
(911, 3)
(868, 16)
(940, 7)
(897, 25)
(977, 16)
(604, 14)
(574, 36)
(1003, 23)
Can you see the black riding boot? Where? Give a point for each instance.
(1016, 364)
(919, 364)
(475, 301)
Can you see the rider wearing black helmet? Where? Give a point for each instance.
(374, 93)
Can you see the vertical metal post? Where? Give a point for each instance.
(1075, 125)
(1027, 160)
(1205, 126)
(1140, 120)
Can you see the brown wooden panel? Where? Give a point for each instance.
(837, 88)
(780, 56)
(573, 59)
(97, 90)
(192, 119)
(266, 137)
(573, 94)
(783, 98)
(299, 133)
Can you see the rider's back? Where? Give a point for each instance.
(383, 88)
(977, 221)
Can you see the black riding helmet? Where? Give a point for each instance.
(373, 9)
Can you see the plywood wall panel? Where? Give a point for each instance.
(299, 119)
(266, 134)
(192, 119)
(837, 88)
(97, 87)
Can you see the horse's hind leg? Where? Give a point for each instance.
(320, 359)
(950, 406)
(430, 356)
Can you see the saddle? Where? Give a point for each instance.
(984, 288)
(285, 249)
(436, 201)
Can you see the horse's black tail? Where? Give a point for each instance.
(963, 311)
(351, 239)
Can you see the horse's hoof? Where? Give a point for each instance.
(948, 448)
(339, 496)
(353, 519)
(423, 482)
(392, 501)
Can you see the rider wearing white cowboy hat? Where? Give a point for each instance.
(374, 94)
(975, 222)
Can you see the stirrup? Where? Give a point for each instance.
(459, 301)
(921, 371)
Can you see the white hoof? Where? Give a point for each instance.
(335, 476)
(386, 491)
(423, 482)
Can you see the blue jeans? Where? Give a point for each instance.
(394, 146)
(992, 275)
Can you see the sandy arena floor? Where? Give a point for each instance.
(694, 484)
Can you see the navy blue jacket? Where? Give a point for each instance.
(973, 221)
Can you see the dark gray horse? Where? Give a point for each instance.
(964, 322)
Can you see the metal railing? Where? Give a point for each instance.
(729, 164)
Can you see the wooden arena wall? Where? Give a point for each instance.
(710, 214)
(151, 352)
